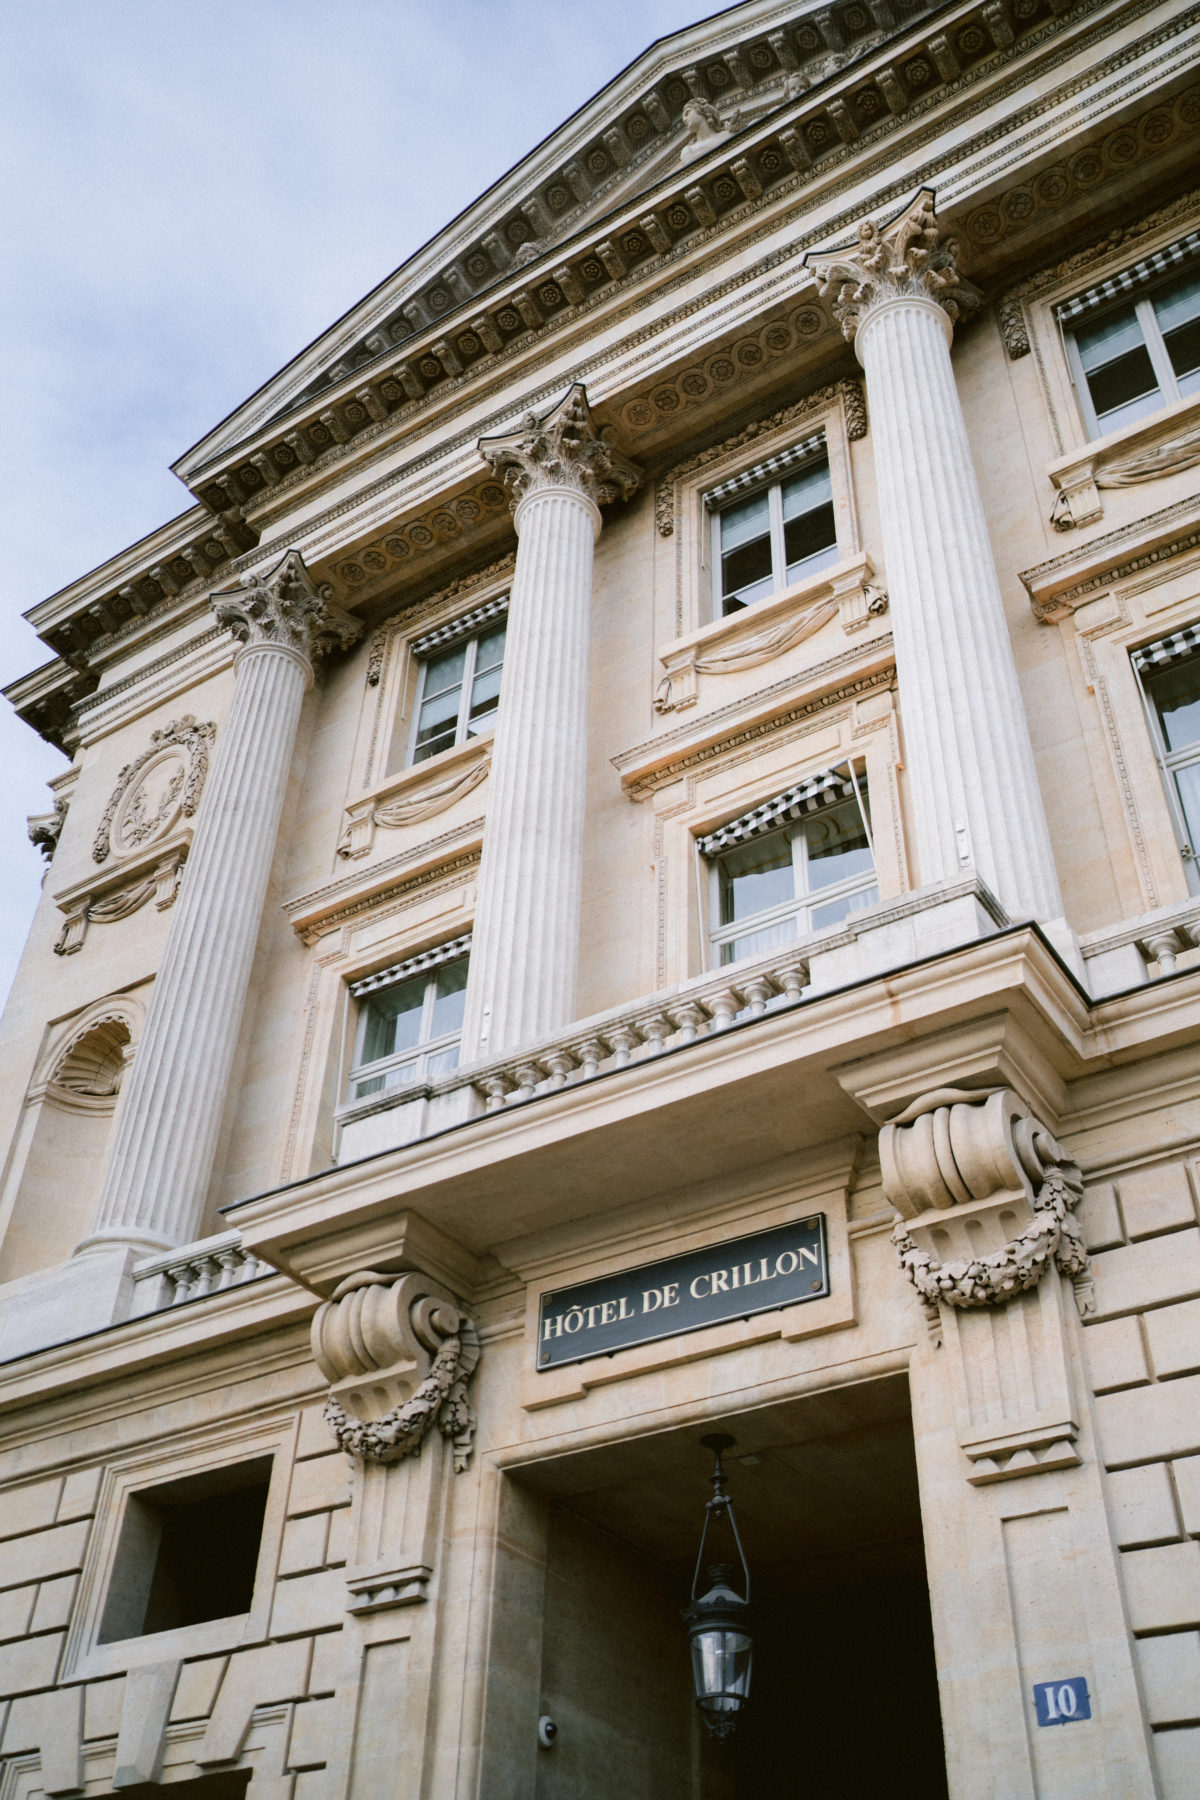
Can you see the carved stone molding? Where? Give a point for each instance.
(957, 1165)
(156, 789)
(562, 449)
(102, 901)
(45, 829)
(907, 260)
(1133, 458)
(413, 798)
(854, 406)
(760, 633)
(398, 1349)
(287, 609)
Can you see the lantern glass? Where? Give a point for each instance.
(721, 1661)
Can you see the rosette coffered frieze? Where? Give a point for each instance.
(907, 260)
(287, 610)
(562, 449)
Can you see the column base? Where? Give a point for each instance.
(87, 1294)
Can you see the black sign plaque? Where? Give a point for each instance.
(663, 1299)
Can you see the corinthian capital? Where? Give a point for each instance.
(908, 260)
(561, 449)
(286, 607)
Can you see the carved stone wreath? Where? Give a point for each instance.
(179, 751)
(1053, 1235)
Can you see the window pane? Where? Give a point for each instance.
(490, 654)
(393, 1018)
(808, 490)
(748, 519)
(755, 876)
(1175, 693)
(442, 1062)
(1120, 375)
(836, 910)
(810, 542)
(1178, 302)
(445, 672)
(450, 998)
(437, 724)
(757, 943)
(1187, 784)
(485, 689)
(837, 846)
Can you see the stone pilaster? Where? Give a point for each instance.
(166, 1133)
(976, 800)
(525, 947)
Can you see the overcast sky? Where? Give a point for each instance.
(192, 190)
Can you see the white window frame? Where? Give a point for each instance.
(428, 649)
(770, 476)
(805, 900)
(1170, 762)
(1160, 362)
(427, 1047)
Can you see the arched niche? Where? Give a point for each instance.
(58, 1163)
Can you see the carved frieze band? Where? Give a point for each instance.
(397, 1349)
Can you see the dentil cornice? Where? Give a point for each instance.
(561, 449)
(907, 260)
(284, 607)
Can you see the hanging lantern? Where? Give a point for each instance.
(718, 1620)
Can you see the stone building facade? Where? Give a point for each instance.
(663, 761)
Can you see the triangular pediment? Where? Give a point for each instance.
(681, 98)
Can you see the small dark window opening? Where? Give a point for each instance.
(188, 1551)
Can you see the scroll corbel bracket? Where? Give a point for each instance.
(398, 1353)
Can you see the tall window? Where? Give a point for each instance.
(1170, 676)
(798, 864)
(458, 692)
(776, 533)
(409, 1022)
(1133, 358)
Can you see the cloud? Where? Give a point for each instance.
(196, 189)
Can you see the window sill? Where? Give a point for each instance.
(415, 794)
(1162, 443)
(761, 632)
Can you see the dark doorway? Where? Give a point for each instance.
(844, 1700)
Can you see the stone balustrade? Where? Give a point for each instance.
(210, 1266)
(1141, 949)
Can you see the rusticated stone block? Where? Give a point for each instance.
(1156, 1199)
(1174, 1337)
(1170, 1676)
(1116, 1354)
(1163, 1587)
(1147, 1274)
(1143, 1506)
(1147, 1424)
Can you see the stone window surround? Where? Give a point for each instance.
(390, 695)
(1107, 628)
(1138, 296)
(440, 908)
(1169, 760)
(1046, 340)
(866, 729)
(694, 577)
(87, 1659)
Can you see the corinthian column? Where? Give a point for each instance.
(166, 1135)
(975, 794)
(525, 944)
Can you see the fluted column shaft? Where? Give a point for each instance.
(165, 1142)
(975, 795)
(525, 944)
(967, 747)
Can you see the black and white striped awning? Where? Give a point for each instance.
(1169, 649)
(764, 471)
(829, 788)
(464, 626)
(1150, 268)
(415, 965)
